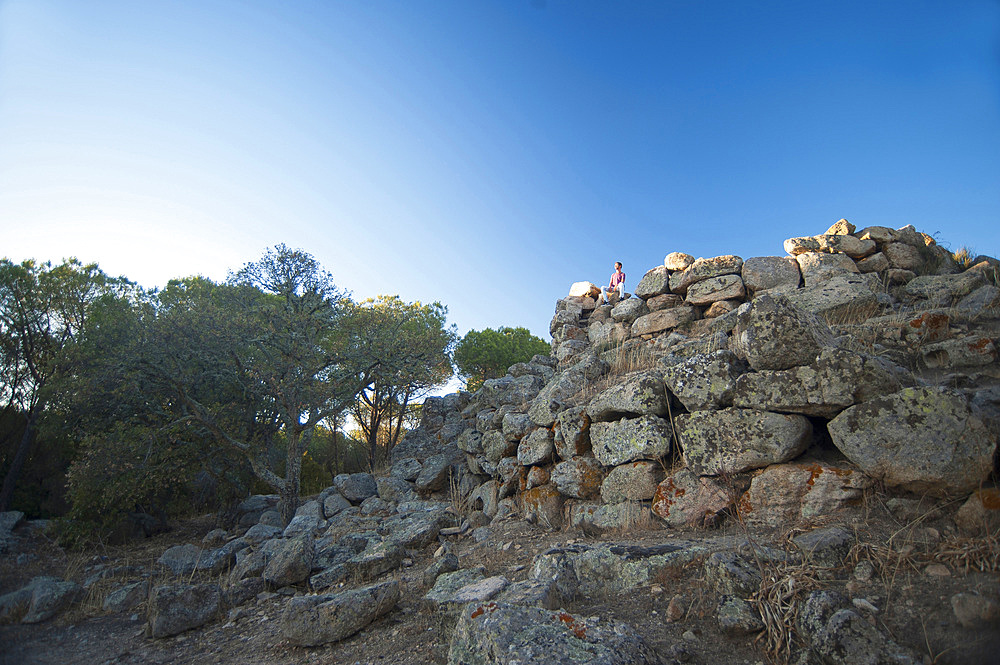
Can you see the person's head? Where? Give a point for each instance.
(618, 265)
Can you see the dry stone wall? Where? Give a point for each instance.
(779, 387)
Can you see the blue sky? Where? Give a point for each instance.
(488, 154)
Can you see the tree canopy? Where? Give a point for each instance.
(192, 396)
(487, 354)
(412, 342)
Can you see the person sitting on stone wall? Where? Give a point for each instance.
(615, 291)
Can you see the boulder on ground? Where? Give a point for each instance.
(836, 633)
(635, 481)
(40, 600)
(314, 620)
(175, 608)
(291, 563)
(494, 632)
(686, 499)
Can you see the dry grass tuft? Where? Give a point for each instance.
(782, 588)
(967, 554)
(963, 256)
(459, 502)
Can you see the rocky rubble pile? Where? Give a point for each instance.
(774, 390)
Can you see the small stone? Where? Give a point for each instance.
(676, 608)
(864, 570)
(937, 570)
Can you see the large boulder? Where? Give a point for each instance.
(573, 433)
(703, 269)
(687, 499)
(771, 333)
(175, 608)
(764, 273)
(704, 382)
(655, 282)
(629, 310)
(677, 261)
(435, 472)
(923, 440)
(510, 390)
(843, 298)
(904, 256)
(584, 290)
(314, 620)
(635, 481)
(636, 394)
(608, 334)
(663, 319)
(356, 487)
(536, 447)
(943, 290)
(546, 504)
(787, 494)
(579, 477)
(291, 563)
(552, 399)
(834, 381)
(505, 634)
(736, 440)
(647, 437)
(715, 289)
(818, 268)
(842, 244)
(40, 600)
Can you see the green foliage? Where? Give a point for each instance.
(44, 310)
(412, 342)
(127, 469)
(487, 354)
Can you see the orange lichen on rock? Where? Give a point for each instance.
(482, 609)
(578, 628)
(665, 496)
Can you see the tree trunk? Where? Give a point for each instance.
(289, 496)
(14, 472)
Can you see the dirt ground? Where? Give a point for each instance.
(916, 566)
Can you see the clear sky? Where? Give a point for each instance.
(487, 154)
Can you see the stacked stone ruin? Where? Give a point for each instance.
(774, 388)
